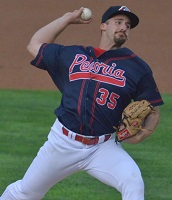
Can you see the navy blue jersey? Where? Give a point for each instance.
(96, 89)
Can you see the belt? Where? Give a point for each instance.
(86, 140)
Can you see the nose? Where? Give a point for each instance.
(123, 26)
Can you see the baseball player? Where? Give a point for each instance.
(96, 85)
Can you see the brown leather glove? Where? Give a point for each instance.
(133, 117)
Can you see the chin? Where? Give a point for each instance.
(120, 41)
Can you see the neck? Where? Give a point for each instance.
(116, 46)
(107, 45)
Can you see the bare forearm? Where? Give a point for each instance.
(50, 32)
(148, 128)
(47, 34)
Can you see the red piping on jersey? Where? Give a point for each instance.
(41, 55)
(79, 101)
(156, 101)
(121, 58)
(80, 97)
(94, 103)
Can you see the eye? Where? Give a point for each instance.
(128, 26)
(118, 22)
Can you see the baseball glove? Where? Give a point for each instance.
(133, 117)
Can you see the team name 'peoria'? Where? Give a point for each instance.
(81, 68)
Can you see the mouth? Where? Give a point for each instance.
(121, 34)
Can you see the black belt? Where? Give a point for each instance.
(86, 140)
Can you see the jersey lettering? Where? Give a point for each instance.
(103, 99)
(81, 68)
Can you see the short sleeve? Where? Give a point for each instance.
(148, 90)
(47, 57)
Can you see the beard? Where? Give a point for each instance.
(119, 41)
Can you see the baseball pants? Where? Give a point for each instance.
(61, 156)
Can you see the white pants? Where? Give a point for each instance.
(61, 156)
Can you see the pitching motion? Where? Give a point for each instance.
(97, 84)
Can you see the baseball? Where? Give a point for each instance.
(86, 14)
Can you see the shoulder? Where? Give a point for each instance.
(140, 62)
(60, 46)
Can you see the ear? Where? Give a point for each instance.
(103, 26)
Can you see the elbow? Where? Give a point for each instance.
(136, 139)
(30, 49)
(33, 48)
(157, 116)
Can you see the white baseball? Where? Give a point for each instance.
(86, 14)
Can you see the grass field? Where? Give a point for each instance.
(25, 121)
